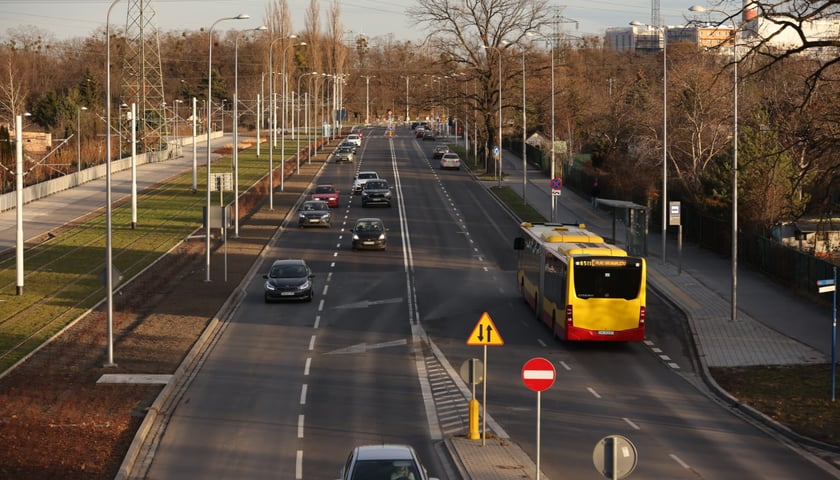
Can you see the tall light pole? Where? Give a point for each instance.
(241, 16)
(79, 137)
(109, 268)
(283, 132)
(699, 9)
(407, 77)
(367, 96)
(664, 199)
(235, 131)
(524, 133)
(297, 124)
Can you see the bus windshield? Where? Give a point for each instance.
(596, 281)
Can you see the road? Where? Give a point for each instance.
(289, 389)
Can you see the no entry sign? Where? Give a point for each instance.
(538, 374)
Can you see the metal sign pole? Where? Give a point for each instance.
(484, 402)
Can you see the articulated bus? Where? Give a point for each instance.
(582, 288)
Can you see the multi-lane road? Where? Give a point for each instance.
(289, 389)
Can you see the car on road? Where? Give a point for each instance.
(419, 132)
(376, 192)
(386, 462)
(314, 213)
(326, 193)
(439, 150)
(429, 135)
(360, 179)
(345, 154)
(349, 145)
(450, 160)
(369, 234)
(354, 138)
(288, 279)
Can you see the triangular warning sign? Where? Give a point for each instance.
(485, 333)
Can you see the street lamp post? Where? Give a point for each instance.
(367, 96)
(664, 199)
(283, 127)
(700, 9)
(524, 133)
(297, 124)
(79, 137)
(241, 16)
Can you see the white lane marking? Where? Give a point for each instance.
(321, 305)
(299, 465)
(593, 392)
(325, 290)
(300, 426)
(303, 394)
(317, 322)
(630, 422)
(542, 344)
(312, 343)
(565, 365)
(307, 365)
(678, 460)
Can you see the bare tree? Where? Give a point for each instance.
(477, 36)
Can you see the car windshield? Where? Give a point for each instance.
(385, 470)
(369, 227)
(364, 176)
(288, 271)
(313, 206)
(324, 189)
(376, 185)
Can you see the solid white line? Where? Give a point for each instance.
(593, 392)
(303, 394)
(299, 465)
(306, 367)
(312, 342)
(300, 426)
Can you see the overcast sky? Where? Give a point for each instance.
(80, 18)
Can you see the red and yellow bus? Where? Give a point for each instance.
(581, 287)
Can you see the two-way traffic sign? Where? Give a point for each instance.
(485, 333)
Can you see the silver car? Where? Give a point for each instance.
(388, 462)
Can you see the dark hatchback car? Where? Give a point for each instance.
(314, 213)
(376, 192)
(288, 279)
(369, 234)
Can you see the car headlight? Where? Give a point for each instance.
(355, 236)
(305, 285)
(269, 285)
(387, 194)
(382, 236)
(325, 217)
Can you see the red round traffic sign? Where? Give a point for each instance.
(538, 374)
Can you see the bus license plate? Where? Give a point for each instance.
(606, 332)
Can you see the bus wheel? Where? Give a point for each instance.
(554, 325)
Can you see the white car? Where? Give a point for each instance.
(354, 138)
(371, 462)
(361, 179)
(450, 160)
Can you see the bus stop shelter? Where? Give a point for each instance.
(634, 218)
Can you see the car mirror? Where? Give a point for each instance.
(265, 275)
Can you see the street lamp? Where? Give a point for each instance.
(285, 102)
(499, 160)
(664, 199)
(367, 96)
(297, 124)
(79, 137)
(700, 9)
(272, 121)
(241, 16)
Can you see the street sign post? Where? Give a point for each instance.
(538, 374)
(485, 333)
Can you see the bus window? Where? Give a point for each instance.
(598, 282)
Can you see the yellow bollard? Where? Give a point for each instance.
(474, 433)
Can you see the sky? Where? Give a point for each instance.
(81, 18)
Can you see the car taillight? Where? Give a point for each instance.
(568, 314)
(642, 315)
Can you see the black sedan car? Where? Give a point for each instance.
(314, 213)
(376, 192)
(288, 279)
(369, 234)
